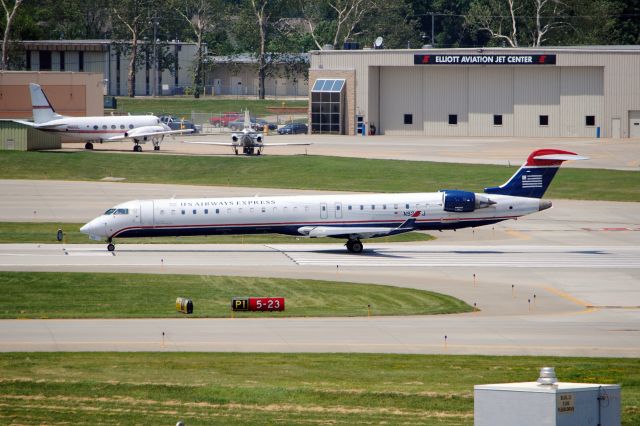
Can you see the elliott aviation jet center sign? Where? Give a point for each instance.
(484, 59)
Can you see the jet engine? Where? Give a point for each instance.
(234, 137)
(464, 201)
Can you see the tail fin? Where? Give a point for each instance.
(535, 176)
(42, 109)
(247, 120)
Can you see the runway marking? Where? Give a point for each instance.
(517, 234)
(570, 298)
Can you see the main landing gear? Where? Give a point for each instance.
(110, 246)
(156, 144)
(354, 246)
(138, 148)
(88, 145)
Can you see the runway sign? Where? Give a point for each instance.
(257, 304)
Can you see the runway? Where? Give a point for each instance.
(565, 281)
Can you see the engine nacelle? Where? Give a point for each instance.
(259, 138)
(464, 201)
(234, 137)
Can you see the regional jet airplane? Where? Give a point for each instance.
(349, 216)
(139, 128)
(250, 140)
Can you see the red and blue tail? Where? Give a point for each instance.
(535, 176)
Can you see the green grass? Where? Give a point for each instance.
(183, 106)
(249, 388)
(311, 172)
(96, 295)
(33, 232)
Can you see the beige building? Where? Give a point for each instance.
(70, 93)
(238, 75)
(555, 92)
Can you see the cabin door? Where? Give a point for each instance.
(338, 207)
(146, 213)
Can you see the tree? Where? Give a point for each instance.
(336, 21)
(9, 12)
(134, 16)
(517, 22)
(202, 18)
(264, 13)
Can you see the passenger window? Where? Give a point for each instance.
(350, 208)
(131, 126)
(122, 126)
(407, 206)
(95, 127)
(338, 207)
(324, 208)
(104, 127)
(361, 207)
(395, 206)
(384, 207)
(217, 211)
(113, 126)
(183, 212)
(194, 211)
(206, 211)
(161, 212)
(264, 210)
(373, 207)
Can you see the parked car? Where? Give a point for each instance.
(293, 129)
(224, 119)
(179, 124)
(257, 124)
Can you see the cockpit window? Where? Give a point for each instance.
(110, 211)
(122, 211)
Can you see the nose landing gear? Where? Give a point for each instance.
(110, 246)
(354, 246)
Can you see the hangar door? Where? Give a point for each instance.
(401, 98)
(634, 124)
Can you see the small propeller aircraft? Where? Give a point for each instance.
(139, 128)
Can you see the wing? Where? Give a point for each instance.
(285, 144)
(212, 143)
(358, 231)
(141, 134)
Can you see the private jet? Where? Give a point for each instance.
(138, 128)
(347, 216)
(250, 141)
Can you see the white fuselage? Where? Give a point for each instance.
(86, 129)
(296, 215)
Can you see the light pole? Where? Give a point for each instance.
(155, 57)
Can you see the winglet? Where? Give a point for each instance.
(411, 221)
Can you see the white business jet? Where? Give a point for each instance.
(249, 140)
(349, 216)
(139, 128)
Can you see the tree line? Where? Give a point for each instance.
(276, 30)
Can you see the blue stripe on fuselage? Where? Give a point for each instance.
(288, 229)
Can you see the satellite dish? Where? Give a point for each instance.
(378, 43)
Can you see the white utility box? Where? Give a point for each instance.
(551, 404)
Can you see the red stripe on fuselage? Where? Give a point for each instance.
(353, 222)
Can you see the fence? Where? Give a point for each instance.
(211, 123)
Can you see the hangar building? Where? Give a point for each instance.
(521, 92)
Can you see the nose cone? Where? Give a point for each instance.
(544, 204)
(92, 229)
(85, 229)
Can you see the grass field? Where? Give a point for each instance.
(249, 388)
(95, 295)
(183, 106)
(32, 232)
(311, 172)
